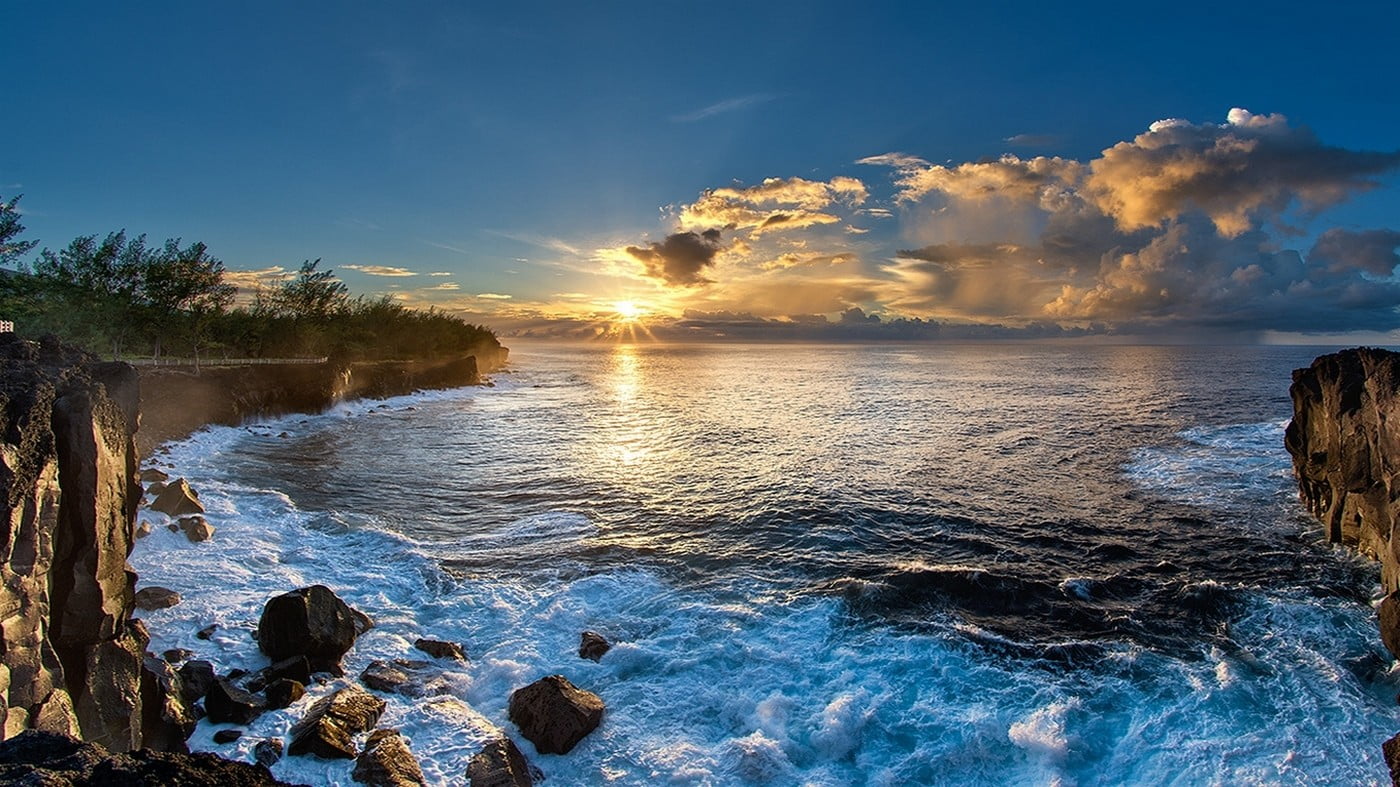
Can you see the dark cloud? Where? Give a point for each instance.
(681, 258)
(1372, 251)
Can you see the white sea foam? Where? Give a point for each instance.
(753, 686)
(1230, 467)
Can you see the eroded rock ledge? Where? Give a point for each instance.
(1345, 442)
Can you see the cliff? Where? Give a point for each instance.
(176, 402)
(1345, 442)
(72, 656)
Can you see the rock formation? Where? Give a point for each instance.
(592, 645)
(554, 714)
(41, 758)
(387, 761)
(1345, 444)
(499, 764)
(328, 728)
(311, 622)
(72, 656)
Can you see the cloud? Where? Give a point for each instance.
(723, 107)
(1251, 167)
(1033, 140)
(681, 258)
(775, 204)
(380, 270)
(1009, 177)
(1372, 251)
(493, 296)
(440, 273)
(447, 286)
(797, 259)
(257, 278)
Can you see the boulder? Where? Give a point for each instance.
(226, 702)
(328, 727)
(499, 764)
(383, 676)
(296, 668)
(1391, 750)
(311, 622)
(1389, 614)
(196, 678)
(176, 655)
(152, 474)
(166, 718)
(387, 761)
(282, 693)
(207, 631)
(154, 597)
(441, 650)
(268, 751)
(592, 646)
(155, 489)
(227, 736)
(554, 714)
(196, 528)
(177, 499)
(143, 530)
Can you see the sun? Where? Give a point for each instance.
(629, 311)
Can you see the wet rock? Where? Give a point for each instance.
(155, 489)
(387, 761)
(327, 729)
(268, 751)
(167, 720)
(441, 650)
(1389, 614)
(296, 668)
(178, 499)
(592, 646)
(153, 474)
(155, 597)
(226, 702)
(227, 736)
(311, 622)
(1391, 750)
(499, 764)
(143, 530)
(176, 655)
(382, 676)
(44, 759)
(283, 692)
(554, 714)
(363, 622)
(207, 631)
(196, 528)
(196, 678)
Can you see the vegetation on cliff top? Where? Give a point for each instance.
(122, 297)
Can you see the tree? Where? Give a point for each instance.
(12, 250)
(183, 290)
(312, 295)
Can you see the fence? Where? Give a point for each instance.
(220, 361)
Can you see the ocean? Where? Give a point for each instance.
(826, 565)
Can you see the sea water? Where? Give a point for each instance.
(822, 565)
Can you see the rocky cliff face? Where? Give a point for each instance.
(1345, 444)
(72, 658)
(176, 402)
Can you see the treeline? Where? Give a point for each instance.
(123, 297)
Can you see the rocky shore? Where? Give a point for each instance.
(1345, 443)
(82, 699)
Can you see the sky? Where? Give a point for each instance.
(746, 170)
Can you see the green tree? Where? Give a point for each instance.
(12, 250)
(312, 295)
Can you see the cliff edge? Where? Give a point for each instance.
(73, 658)
(1345, 442)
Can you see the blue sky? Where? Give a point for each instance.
(538, 151)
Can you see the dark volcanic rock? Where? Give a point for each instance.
(71, 659)
(591, 645)
(282, 693)
(177, 655)
(207, 631)
(441, 650)
(328, 726)
(227, 736)
(268, 751)
(196, 678)
(1391, 750)
(228, 703)
(499, 764)
(1389, 614)
(554, 714)
(155, 597)
(311, 622)
(383, 676)
(1346, 453)
(43, 758)
(177, 499)
(387, 761)
(166, 717)
(153, 474)
(296, 668)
